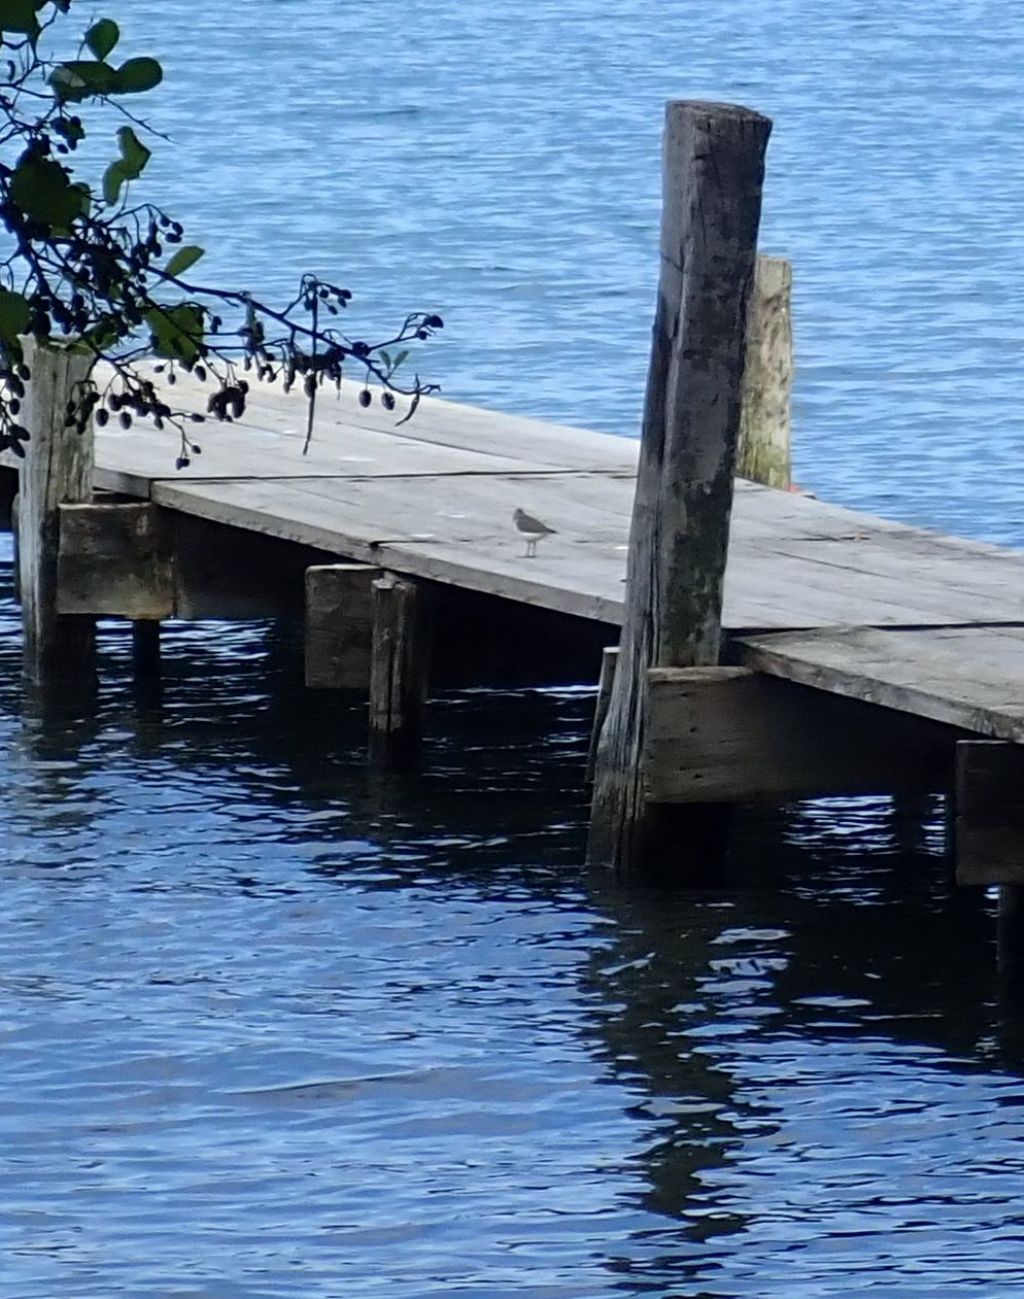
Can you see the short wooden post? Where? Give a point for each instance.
(338, 626)
(609, 660)
(398, 673)
(713, 175)
(58, 468)
(765, 454)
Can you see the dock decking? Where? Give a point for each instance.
(815, 593)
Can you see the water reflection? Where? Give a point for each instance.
(390, 1038)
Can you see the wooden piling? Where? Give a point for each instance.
(713, 175)
(765, 452)
(398, 673)
(58, 468)
(338, 625)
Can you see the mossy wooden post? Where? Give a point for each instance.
(713, 174)
(58, 468)
(765, 453)
(398, 673)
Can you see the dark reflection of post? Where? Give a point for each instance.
(649, 984)
(875, 936)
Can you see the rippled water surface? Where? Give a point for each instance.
(271, 1030)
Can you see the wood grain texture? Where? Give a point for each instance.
(338, 626)
(713, 172)
(609, 664)
(765, 452)
(723, 734)
(115, 560)
(969, 677)
(400, 499)
(58, 469)
(398, 672)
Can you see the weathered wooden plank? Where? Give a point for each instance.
(338, 626)
(437, 425)
(398, 672)
(970, 677)
(115, 560)
(440, 423)
(989, 813)
(460, 531)
(127, 461)
(723, 734)
(57, 469)
(764, 451)
(713, 174)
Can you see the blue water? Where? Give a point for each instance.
(269, 1030)
(499, 163)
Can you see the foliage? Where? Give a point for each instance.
(89, 267)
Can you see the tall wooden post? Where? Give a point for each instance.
(58, 468)
(713, 174)
(765, 451)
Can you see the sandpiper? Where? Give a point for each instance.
(532, 529)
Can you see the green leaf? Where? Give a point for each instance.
(136, 76)
(15, 314)
(113, 178)
(176, 332)
(43, 190)
(80, 78)
(183, 259)
(134, 154)
(103, 334)
(102, 37)
(20, 16)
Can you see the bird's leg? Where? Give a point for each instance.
(531, 547)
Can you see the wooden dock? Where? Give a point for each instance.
(772, 646)
(916, 624)
(434, 499)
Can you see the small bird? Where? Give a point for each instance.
(532, 529)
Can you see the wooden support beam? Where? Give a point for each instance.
(989, 798)
(58, 469)
(398, 672)
(765, 453)
(115, 560)
(713, 174)
(134, 559)
(338, 625)
(730, 735)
